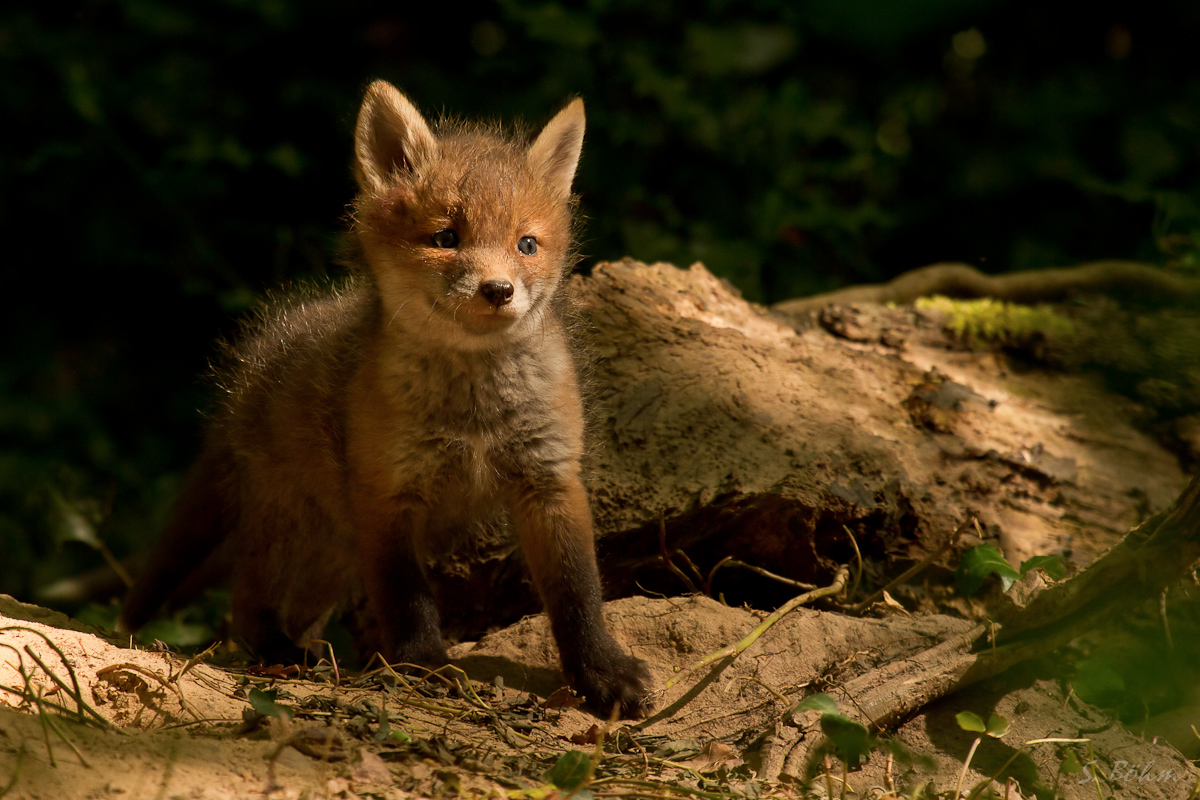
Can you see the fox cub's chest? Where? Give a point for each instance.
(471, 428)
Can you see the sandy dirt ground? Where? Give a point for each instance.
(82, 717)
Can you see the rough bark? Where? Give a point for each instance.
(761, 442)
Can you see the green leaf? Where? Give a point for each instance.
(817, 702)
(1051, 565)
(401, 736)
(570, 771)
(852, 741)
(1070, 764)
(264, 703)
(384, 729)
(997, 726)
(970, 721)
(980, 562)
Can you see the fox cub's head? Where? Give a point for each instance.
(467, 232)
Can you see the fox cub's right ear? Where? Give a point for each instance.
(554, 154)
(391, 137)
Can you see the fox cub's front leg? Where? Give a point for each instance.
(555, 528)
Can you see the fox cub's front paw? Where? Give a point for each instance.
(617, 680)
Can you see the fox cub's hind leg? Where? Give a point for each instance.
(399, 599)
(555, 528)
(200, 522)
(290, 573)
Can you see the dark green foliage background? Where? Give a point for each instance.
(162, 162)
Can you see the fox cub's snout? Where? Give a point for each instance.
(363, 428)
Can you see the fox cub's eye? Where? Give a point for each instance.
(527, 245)
(445, 238)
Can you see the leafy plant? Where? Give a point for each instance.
(984, 560)
(980, 562)
(851, 740)
(996, 727)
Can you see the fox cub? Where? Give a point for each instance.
(360, 429)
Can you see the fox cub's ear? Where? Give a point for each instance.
(391, 136)
(555, 152)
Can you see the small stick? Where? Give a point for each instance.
(915, 569)
(29, 697)
(44, 718)
(770, 689)
(1162, 611)
(730, 561)
(387, 668)
(691, 564)
(666, 557)
(114, 564)
(463, 684)
(337, 676)
(708, 581)
(838, 585)
(996, 775)
(858, 560)
(966, 765)
(196, 659)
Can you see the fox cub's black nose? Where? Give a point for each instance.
(498, 293)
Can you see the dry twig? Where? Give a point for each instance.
(836, 587)
(730, 561)
(914, 570)
(1127, 278)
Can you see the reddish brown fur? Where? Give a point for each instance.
(364, 427)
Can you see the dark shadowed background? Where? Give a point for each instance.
(162, 162)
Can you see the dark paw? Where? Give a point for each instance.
(429, 654)
(420, 645)
(616, 681)
(426, 652)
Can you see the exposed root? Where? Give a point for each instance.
(1128, 279)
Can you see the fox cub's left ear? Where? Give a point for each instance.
(555, 153)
